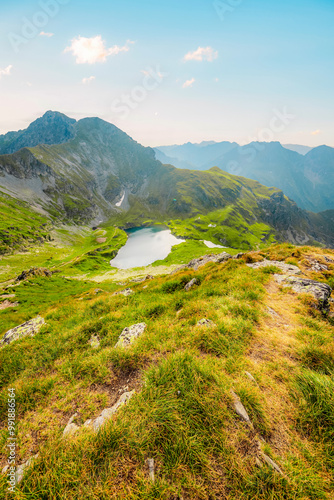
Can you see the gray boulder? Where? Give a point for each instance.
(130, 334)
(29, 328)
(320, 291)
(191, 284)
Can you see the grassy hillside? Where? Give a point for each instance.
(182, 414)
(20, 227)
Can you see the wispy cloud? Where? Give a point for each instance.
(316, 132)
(202, 54)
(49, 35)
(88, 80)
(94, 50)
(188, 83)
(5, 71)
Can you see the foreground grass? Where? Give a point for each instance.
(182, 415)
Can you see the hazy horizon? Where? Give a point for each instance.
(176, 73)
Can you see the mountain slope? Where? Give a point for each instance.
(51, 128)
(195, 155)
(102, 174)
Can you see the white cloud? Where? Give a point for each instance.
(201, 54)
(316, 132)
(88, 80)
(189, 83)
(93, 50)
(49, 35)
(5, 71)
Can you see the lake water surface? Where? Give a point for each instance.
(145, 246)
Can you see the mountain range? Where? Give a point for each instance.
(304, 174)
(89, 171)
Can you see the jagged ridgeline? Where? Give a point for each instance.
(90, 171)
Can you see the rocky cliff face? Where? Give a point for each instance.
(52, 128)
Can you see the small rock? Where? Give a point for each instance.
(130, 334)
(206, 322)
(109, 412)
(272, 312)
(71, 428)
(250, 376)
(29, 328)
(272, 464)
(125, 292)
(191, 284)
(95, 342)
(238, 256)
(5, 469)
(97, 290)
(88, 423)
(22, 469)
(239, 408)
(150, 462)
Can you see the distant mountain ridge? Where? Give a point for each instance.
(99, 173)
(306, 178)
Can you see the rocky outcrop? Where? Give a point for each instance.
(320, 291)
(130, 334)
(29, 328)
(33, 272)
(286, 268)
(202, 261)
(239, 408)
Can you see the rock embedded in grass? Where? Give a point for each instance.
(125, 292)
(206, 322)
(29, 328)
(109, 412)
(239, 408)
(205, 259)
(94, 341)
(23, 469)
(71, 428)
(320, 291)
(286, 268)
(191, 284)
(130, 334)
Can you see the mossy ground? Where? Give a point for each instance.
(182, 414)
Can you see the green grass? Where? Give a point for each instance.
(182, 414)
(20, 226)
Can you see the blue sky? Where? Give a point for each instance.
(222, 70)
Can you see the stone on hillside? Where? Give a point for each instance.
(251, 378)
(317, 266)
(109, 412)
(239, 408)
(286, 268)
(130, 334)
(150, 463)
(125, 292)
(320, 291)
(29, 328)
(191, 284)
(202, 261)
(23, 469)
(206, 322)
(141, 280)
(97, 291)
(71, 428)
(238, 256)
(33, 272)
(272, 464)
(94, 341)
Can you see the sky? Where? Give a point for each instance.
(173, 72)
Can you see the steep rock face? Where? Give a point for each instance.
(52, 128)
